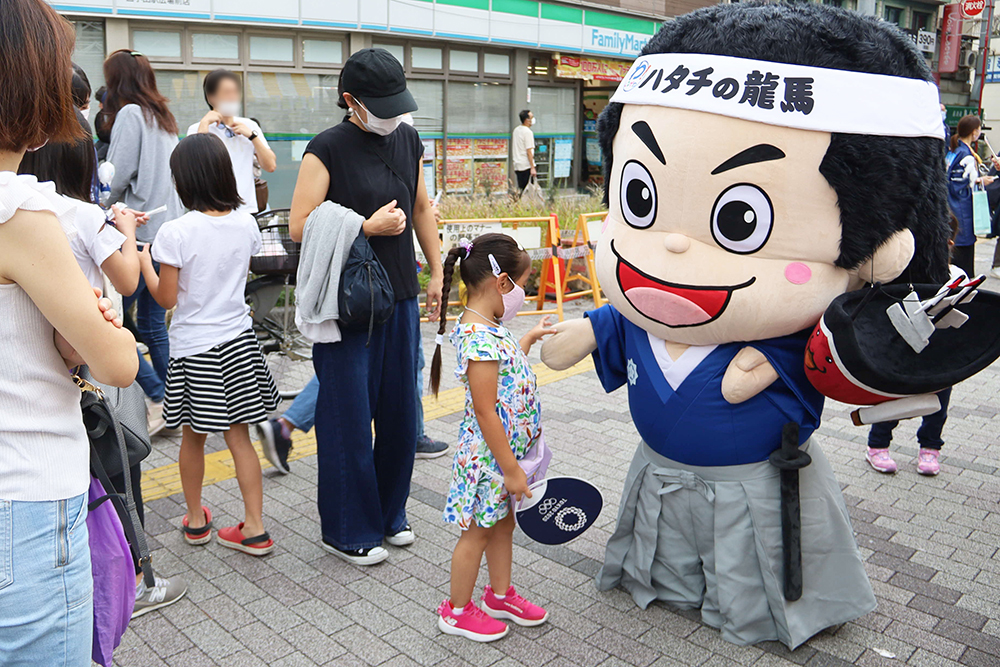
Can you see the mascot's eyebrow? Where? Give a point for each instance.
(752, 155)
(644, 132)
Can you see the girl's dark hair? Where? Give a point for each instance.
(203, 174)
(81, 87)
(130, 80)
(217, 76)
(476, 268)
(71, 166)
(966, 126)
(36, 103)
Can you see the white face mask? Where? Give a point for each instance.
(228, 109)
(533, 119)
(380, 126)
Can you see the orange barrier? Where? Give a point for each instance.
(579, 246)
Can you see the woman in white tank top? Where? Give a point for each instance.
(49, 319)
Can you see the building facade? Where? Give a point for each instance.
(472, 65)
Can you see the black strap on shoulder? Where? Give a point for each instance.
(411, 188)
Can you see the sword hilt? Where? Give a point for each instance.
(789, 457)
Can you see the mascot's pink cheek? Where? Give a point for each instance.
(798, 273)
(604, 225)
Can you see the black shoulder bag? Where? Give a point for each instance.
(366, 298)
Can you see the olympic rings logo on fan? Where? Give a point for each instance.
(546, 505)
(579, 514)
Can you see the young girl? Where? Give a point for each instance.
(217, 378)
(502, 422)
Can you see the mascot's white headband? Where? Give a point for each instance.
(806, 98)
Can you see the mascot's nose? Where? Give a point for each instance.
(676, 243)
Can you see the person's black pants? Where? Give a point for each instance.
(964, 257)
(928, 435)
(118, 482)
(522, 179)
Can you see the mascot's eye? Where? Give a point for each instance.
(742, 218)
(829, 360)
(638, 195)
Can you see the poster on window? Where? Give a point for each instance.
(459, 176)
(562, 158)
(491, 176)
(459, 147)
(429, 149)
(490, 148)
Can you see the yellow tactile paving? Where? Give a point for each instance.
(166, 481)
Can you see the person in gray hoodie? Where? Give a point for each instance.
(143, 135)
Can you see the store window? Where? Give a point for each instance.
(422, 57)
(555, 130)
(157, 43)
(429, 96)
(496, 63)
(184, 92)
(272, 49)
(893, 14)
(397, 50)
(920, 21)
(833, 3)
(478, 129)
(88, 52)
(322, 51)
(463, 61)
(215, 46)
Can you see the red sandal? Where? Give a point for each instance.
(258, 545)
(198, 536)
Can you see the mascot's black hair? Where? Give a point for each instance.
(883, 184)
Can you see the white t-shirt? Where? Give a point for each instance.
(241, 152)
(523, 140)
(213, 255)
(92, 239)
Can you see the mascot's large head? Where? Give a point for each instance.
(762, 159)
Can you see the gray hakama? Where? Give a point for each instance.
(710, 538)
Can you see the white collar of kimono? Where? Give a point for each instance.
(805, 98)
(675, 371)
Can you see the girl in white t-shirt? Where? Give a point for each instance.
(217, 378)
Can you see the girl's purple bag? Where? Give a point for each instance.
(114, 575)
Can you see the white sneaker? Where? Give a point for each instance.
(403, 538)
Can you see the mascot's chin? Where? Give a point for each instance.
(756, 172)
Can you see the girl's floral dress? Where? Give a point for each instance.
(475, 496)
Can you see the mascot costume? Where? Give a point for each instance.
(760, 162)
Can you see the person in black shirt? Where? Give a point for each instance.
(371, 163)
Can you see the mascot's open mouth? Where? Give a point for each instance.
(673, 304)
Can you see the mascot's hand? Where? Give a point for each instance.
(573, 340)
(749, 373)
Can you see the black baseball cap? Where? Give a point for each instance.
(376, 79)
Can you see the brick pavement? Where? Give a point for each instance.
(930, 547)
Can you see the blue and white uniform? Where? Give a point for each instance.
(699, 524)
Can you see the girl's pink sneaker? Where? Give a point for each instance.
(927, 462)
(881, 461)
(513, 607)
(472, 623)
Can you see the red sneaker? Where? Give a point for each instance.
(198, 536)
(472, 623)
(513, 607)
(233, 537)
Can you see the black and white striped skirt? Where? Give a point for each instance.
(229, 384)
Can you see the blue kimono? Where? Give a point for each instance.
(694, 424)
(699, 523)
(960, 197)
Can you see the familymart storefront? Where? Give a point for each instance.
(471, 65)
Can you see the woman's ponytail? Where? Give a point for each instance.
(449, 271)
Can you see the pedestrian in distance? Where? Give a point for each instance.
(502, 423)
(218, 380)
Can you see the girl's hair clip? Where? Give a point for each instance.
(494, 265)
(466, 245)
(439, 339)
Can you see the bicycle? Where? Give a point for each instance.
(271, 297)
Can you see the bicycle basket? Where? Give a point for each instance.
(277, 216)
(279, 254)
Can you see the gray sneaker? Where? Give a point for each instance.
(164, 593)
(430, 449)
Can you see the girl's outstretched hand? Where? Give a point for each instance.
(539, 331)
(146, 255)
(516, 484)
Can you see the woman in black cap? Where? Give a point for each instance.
(370, 163)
